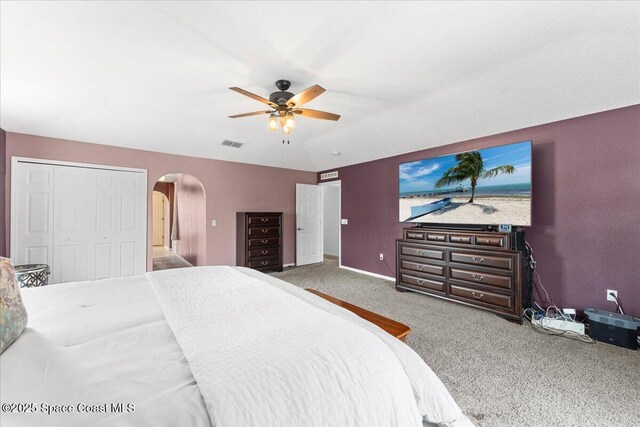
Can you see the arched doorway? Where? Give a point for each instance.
(184, 242)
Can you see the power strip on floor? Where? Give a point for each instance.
(558, 324)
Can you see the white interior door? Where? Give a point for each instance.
(132, 224)
(85, 222)
(308, 224)
(33, 214)
(69, 225)
(102, 232)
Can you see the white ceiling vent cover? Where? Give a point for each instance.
(233, 144)
(328, 175)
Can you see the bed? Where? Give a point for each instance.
(210, 346)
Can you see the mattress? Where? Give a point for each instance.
(105, 352)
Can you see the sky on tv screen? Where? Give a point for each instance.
(421, 176)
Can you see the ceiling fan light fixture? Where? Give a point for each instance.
(273, 122)
(289, 121)
(287, 130)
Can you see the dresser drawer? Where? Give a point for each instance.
(461, 238)
(414, 235)
(437, 270)
(423, 282)
(484, 297)
(264, 231)
(436, 237)
(259, 253)
(263, 221)
(504, 282)
(264, 262)
(496, 241)
(422, 252)
(267, 241)
(505, 262)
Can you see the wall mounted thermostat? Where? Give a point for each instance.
(505, 228)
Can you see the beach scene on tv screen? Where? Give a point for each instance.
(487, 186)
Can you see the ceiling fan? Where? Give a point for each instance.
(285, 105)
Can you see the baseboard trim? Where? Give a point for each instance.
(293, 264)
(368, 273)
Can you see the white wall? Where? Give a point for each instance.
(331, 219)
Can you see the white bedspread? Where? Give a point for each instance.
(99, 343)
(103, 342)
(264, 352)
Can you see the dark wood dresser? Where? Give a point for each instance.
(259, 240)
(475, 268)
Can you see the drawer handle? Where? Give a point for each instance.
(264, 241)
(420, 267)
(415, 236)
(420, 282)
(265, 262)
(478, 260)
(420, 252)
(477, 296)
(264, 230)
(264, 219)
(264, 252)
(478, 278)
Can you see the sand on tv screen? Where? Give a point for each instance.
(482, 187)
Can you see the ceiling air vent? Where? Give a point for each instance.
(328, 175)
(233, 144)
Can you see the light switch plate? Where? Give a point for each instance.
(344, 221)
(214, 222)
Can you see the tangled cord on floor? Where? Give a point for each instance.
(551, 312)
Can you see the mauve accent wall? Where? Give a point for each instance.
(3, 180)
(586, 207)
(229, 187)
(192, 219)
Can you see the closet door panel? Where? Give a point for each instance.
(86, 223)
(69, 224)
(33, 214)
(132, 230)
(102, 231)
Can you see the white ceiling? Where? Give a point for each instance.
(404, 76)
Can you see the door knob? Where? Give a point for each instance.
(299, 229)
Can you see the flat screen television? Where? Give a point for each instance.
(490, 186)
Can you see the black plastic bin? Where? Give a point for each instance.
(613, 328)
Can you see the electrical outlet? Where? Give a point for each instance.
(609, 297)
(344, 221)
(214, 223)
(381, 257)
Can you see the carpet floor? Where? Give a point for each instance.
(500, 373)
(168, 262)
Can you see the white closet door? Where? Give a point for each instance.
(69, 224)
(86, 223)
(103, 219)
(33, 214)
(132, 227)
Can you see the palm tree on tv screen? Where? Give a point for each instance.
(470, 166)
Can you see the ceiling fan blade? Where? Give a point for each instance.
(315, 114)
(255, 113)
(305, 96)
(253, 96)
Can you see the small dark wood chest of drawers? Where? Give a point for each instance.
(468, 267)
(259, 240)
